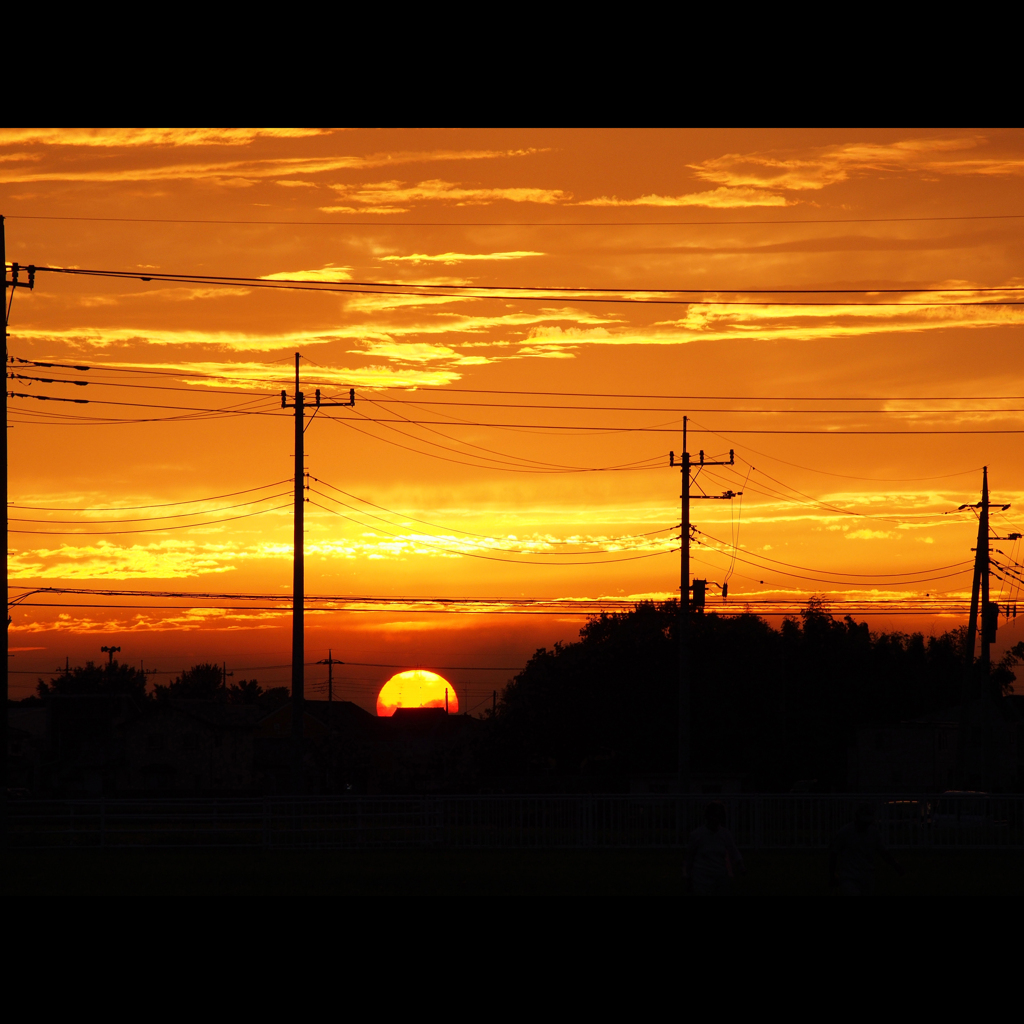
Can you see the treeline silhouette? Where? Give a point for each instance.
(771, 705)
(200, 682)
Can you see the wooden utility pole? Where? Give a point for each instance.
(13, 284)
(685, 465)
(299, 574)
(982, 562)
(975, 692)
(3, 696)
(980, 595)
(330, 661)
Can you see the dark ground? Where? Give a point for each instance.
(623, 875)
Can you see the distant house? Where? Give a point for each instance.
(423, 750)
(191, 747)
(88, 745)
(337, 736)
(27, 746)
(922, 755)
(918, 756)
(80, 743)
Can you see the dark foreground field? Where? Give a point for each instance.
(401, 874)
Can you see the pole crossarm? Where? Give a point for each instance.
(701, 461)
(336, 405)
(318, 403)
(15, 283)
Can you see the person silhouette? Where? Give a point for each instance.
(712, 859)
(852, 854)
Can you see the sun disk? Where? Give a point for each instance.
(416, 688)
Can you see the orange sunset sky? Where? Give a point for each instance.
(504, 443)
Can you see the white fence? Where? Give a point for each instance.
(769, 821)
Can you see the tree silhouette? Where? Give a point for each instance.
(105, 679)
(775, 705)
(246, 691)
(200, 682)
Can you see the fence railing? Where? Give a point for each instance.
(770, 821)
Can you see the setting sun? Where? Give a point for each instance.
(417, 688)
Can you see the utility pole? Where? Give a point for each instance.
(974, 693)
(685, 465)
(14, 284)
(3, 696)
(980, 589)
(299, 572)
(110, 652)
(330, 661)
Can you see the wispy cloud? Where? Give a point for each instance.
(241, 171)
(444, 321)
(271, 376)
(119, 138)
(325, 274)
(369, 304)
(396, 196)
(770, 323)
(237, 341)
(549, 332)
(722, 198)
(409, 352)
(451, 258)
(154, 622)
(832, 164)
(166, 559)
(175, 293)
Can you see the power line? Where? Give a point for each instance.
(527, 224)
(822, 505)
(225, 411)
(437, 526)
(510, 468)
(592, 295)
(142, 371)
(687, 408)
(835, 572)
(349, 283)
(491, 451)
(418, 538)
(431, 389)
(834, 582)
(611, 429)
(155, 529)
(494, 558)
(132, 508)
(148, 387)
(502, 459)
(150, 519)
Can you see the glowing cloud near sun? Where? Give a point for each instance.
(417, 688)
